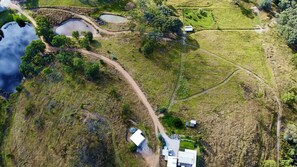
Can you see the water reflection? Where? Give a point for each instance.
(11, 49)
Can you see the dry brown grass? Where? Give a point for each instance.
(237, 123)
(61, 102)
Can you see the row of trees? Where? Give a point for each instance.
(45, 29)
(74, 64)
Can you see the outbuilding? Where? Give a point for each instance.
(191, 124)
(187, 158)
(189, 29)
(137, 138)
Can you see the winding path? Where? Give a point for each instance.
(213, 87)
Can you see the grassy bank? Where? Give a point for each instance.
(64, 118)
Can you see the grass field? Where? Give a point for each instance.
(156, 75)
(62, 3)
(240, 47)
(186, 145)
(73, 121)
(201, 72)
(233, 114)
(233, 18)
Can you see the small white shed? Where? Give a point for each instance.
(189, 28)
(137, 138)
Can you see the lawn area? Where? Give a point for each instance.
(184, 144)
(156, 75)
(198, 18)
(198, 3)
(233, 120)
(75, 121)
(201, 72)
(233, 18)
(62, 3)
(241, 47)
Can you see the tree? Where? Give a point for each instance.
(61, 41)
(44, 28)
(269, 163)
(291, 133)
(75, 34)
(265, 4)
(288, 25)
(285, 4)
(65, 58)
(84, 43)
(289, 98)
(20, 22)
(34, 48)
(148, 48)
(89, 36)
(92, 70)
(78, 63)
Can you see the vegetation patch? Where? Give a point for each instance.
(201, 18)
(232, 18)
(9, 15)
(224, 115)
(186, 144)
(201, 72)
(172, 121)
(242, 48)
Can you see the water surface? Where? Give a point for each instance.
(71, 25)
(113, 19)
(12, 47)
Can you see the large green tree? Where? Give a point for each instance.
(288, 25)
(44, 28)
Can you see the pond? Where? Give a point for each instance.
(113, 19)
(12, 47)
(67, 27)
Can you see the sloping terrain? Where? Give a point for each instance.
(65, 120)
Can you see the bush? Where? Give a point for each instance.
(265, 4)
(148, 48)
(133, 148)
(92, 70)
(20, 22)
(289, 98)
(291, 133)
(269, 163)
(173, 122)
(39, 123)
(163, 110)
(61, 41)
(29, 109)
(75, 34)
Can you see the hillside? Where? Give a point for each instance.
(66, 120)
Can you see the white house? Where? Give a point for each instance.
(137, 138)
(172, 161)
(189, 28)
(187, 158)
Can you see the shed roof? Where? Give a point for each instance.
(137, 137)
(172, 161)
(187, 157)
(189, 28)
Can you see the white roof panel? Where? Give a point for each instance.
(137, 137)
(172, 161)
